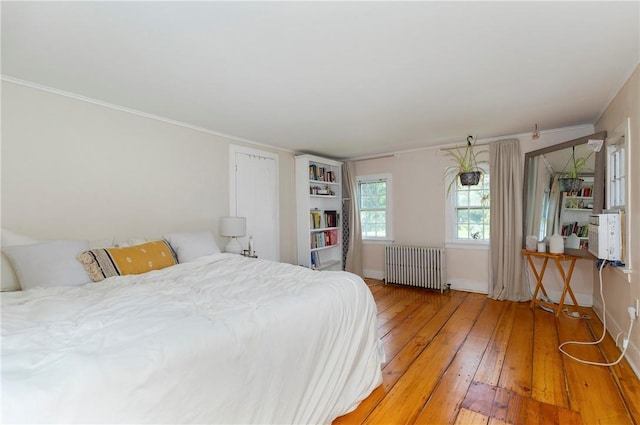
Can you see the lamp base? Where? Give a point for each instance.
(233, 246)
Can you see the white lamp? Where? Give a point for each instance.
(233, 227)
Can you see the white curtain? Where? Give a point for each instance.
(553, 217)
(506, 281)
(538, 209)
(353, 262)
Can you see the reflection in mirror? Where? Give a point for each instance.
(549, 206)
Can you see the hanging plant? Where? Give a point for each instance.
(467, 166)
(570, 180)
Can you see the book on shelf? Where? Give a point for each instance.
(315, 260)
(581, 230)
(324, 239)
(331, 218)
(317, 240)
(315, 219)
(331, 237)
(586, 192)
(312, 171)
(319, 173)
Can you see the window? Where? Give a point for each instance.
(616, 175)
(471, 206)
(374, 200)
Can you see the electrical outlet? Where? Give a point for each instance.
(637, 307)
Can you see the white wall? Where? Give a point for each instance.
(75, 169)
(619, 293)
(419, 216)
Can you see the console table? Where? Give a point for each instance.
(566, 277)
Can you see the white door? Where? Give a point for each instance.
(254, 195)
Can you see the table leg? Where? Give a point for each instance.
(538, 277)
(566, 278)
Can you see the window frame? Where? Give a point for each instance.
(374, 178)
(451, 217)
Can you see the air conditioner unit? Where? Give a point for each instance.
(604, 236)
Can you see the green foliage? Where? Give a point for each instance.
(466, 161)
(577, 166)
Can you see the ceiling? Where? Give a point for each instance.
(341, 79)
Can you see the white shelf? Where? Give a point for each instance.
(323, 229)
(328, 257)
(321, 248)
(320, 182)
(573, 212)
(330, 265)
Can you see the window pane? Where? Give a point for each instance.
(475, 198)
(472, 210)
(476, 216)
(373, 209)
(463, 216)
(463, 197)
(367, 202)
(463, 231)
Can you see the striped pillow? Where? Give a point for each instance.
(107, 262)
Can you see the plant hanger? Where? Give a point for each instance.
(470, 178)
(466, 168)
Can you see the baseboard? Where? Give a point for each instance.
(633, 352)
(584, 300)
(373, 274)
(478, 287)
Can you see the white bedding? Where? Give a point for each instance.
(224, 339)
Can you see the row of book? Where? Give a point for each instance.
(329, 218)
(586, 191)
(315, 260)
(581, 230)
(323, 191)
(322, 239)
(319, 173)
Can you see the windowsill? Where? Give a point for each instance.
(475, 245)
(377, 241)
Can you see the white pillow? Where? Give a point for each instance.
(9, 279)
(101, 243)
(131, 242)
(48, 264)
(189, 246)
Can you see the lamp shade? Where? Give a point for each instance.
(233, 226)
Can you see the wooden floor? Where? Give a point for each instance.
(461, 358)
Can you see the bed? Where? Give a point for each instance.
(222, 339)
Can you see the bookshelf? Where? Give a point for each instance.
(318, 212)
(575, 211)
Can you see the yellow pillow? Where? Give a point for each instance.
(107, 262)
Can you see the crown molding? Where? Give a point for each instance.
(132, 111)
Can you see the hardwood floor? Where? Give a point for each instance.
(461, 358)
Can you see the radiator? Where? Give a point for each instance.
(423, 267)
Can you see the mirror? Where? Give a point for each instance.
(547, 201)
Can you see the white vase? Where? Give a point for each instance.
(556, 244)
(531, 242)
(573, 241)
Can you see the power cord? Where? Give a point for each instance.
(625, 341)
(575, 315)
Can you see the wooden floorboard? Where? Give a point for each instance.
(461, 358)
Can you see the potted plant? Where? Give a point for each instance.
(466, 167)
(570, 180)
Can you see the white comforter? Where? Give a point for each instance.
(223, 339)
